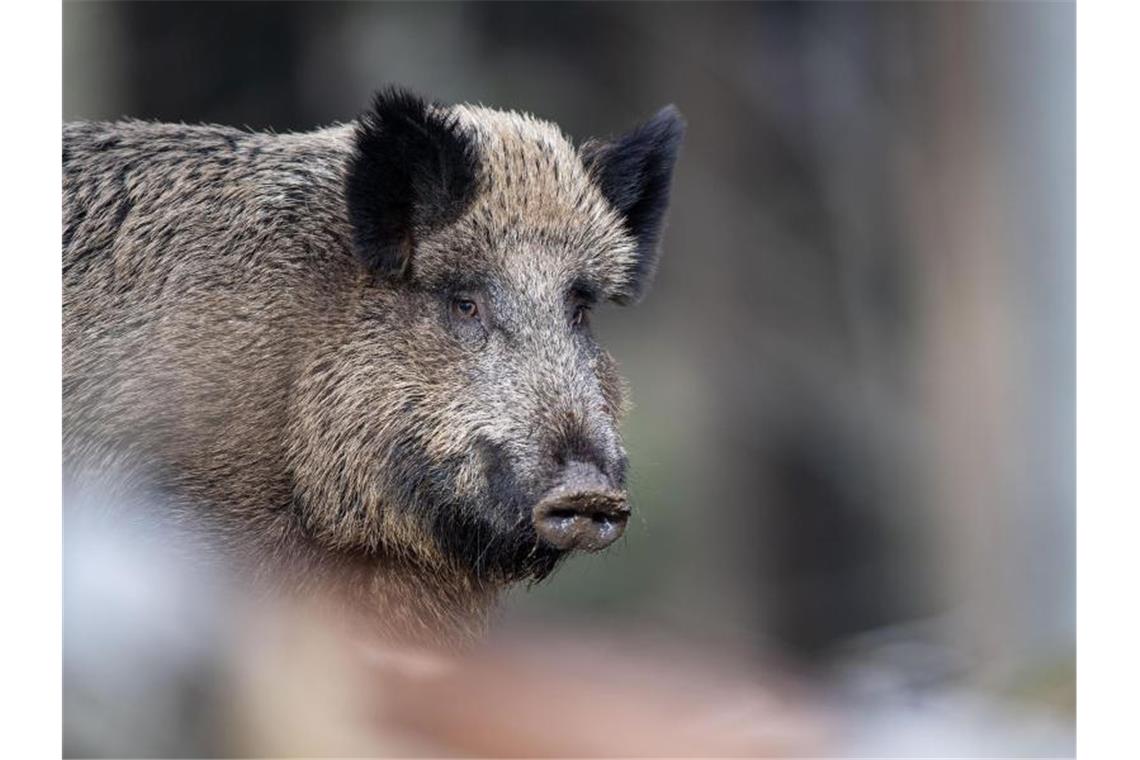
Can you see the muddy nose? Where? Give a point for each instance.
(582, 511)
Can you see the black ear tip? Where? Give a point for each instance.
(413, 169)
(393, 93)
(393, 101)
(634, 173)
(669, 125)
(672, 115)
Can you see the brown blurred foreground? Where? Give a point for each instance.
(165, 655)
(542, 694)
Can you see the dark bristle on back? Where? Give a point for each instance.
(413, 170)
(634, 173)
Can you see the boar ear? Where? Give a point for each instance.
(634, 173)
(412, 170)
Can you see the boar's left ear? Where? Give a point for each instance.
(413, 170)
(634, 173)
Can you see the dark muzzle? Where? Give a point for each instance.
(582, 511)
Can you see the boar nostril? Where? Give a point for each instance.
(582, 510)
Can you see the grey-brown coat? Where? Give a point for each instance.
(361, 351)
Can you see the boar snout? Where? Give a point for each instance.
(582, 510)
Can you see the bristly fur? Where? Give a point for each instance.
(412, 171)
(234, 340)
(635, 173)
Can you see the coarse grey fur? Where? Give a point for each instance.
(227, 348)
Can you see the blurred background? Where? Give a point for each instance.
(852, 444)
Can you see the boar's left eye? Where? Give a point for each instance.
(465, 308)
(467, 317)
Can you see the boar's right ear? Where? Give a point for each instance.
(413, 170)
(634, 173)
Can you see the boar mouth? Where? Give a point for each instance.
(514, 533)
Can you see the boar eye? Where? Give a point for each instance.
(465, 308)
(581, 315)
